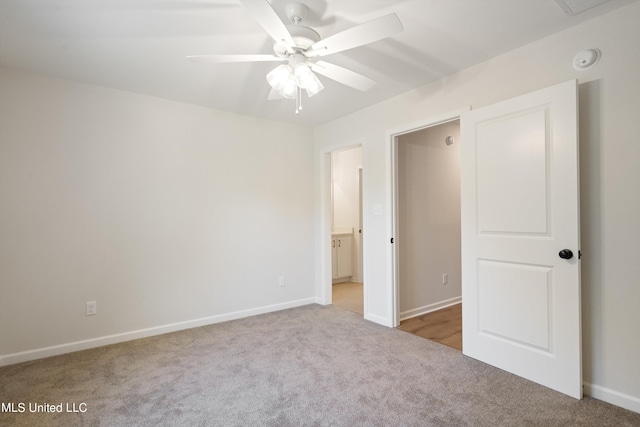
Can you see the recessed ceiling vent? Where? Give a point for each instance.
(574, 7)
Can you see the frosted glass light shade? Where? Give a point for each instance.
(304, 76)
(307, 79)
(287, 79)
(314, 86)
(279, 76)
(290, 88)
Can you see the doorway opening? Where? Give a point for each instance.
(427, 230)
(346, 229)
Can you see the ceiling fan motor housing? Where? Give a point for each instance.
(304, 37)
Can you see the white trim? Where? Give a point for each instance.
(391, 199)
(323, 292)
(320, 301)
(404, 315)
(323, 288)
(39, 353)
(613, 397)
(381, 320)
(392, 253)
(427, 122)
(364, 226)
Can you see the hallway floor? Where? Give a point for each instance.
(443, 326)
(348, 295)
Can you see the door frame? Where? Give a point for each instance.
(360, 258)
(324, 294)
(392, 200)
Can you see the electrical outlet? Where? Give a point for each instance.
(445, 279)
(91, 308)
(281, 281)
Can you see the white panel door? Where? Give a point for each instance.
(521, 300)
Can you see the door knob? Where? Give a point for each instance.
(566, 254)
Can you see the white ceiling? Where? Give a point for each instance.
(140, 45)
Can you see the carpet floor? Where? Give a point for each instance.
(307, 366)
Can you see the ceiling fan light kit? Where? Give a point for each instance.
(300, 47)
(307, 80)
(289, 80)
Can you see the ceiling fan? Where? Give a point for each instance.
(301, 48)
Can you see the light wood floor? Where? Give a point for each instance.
(442, 326)
(348, 295)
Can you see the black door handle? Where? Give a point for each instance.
(566, 254)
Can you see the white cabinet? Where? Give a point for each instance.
(341, 263)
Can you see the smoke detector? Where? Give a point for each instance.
(586, 59)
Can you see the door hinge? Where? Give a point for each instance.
(579, 254)
(392, 240)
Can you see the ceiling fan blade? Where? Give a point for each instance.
(234, 58)
(342, 75)
(359, 35)
(269, 20)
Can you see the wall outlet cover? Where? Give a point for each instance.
(91, 308)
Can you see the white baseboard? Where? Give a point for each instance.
(39, 353)
(625, 401)
(429, 308)
(321, 301)
(380, 320)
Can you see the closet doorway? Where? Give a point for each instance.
(428, 233)
(346, 229)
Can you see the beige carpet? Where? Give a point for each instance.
(307, 366)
